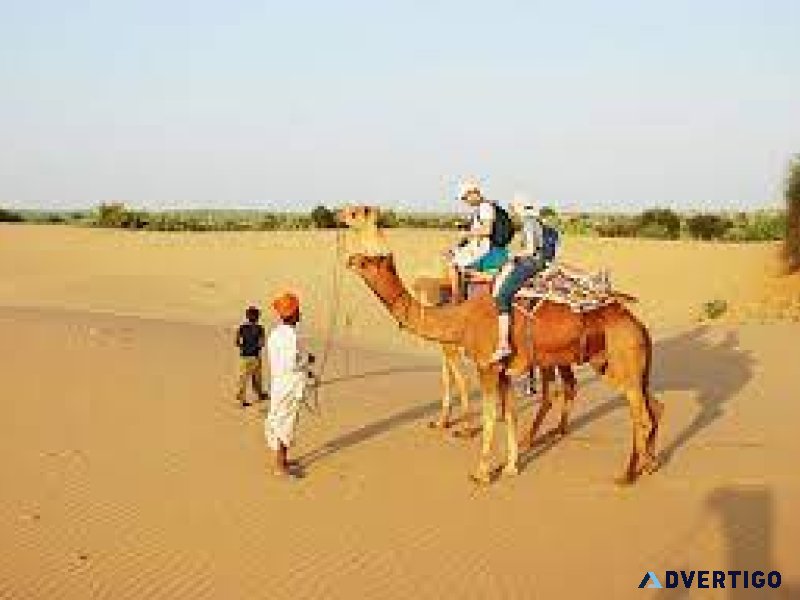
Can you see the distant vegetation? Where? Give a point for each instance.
(714, 309)
(8, 216)
(656, 223)
(792, 195)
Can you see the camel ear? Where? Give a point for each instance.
(356, 261)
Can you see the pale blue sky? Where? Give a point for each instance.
(597, 105)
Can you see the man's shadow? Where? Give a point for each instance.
(691, 361)
(746, 517)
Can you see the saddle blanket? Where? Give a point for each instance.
(578, 289)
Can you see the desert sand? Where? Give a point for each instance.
(128, 471)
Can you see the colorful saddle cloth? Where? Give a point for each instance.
(578, 289)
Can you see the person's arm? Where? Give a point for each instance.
(261, 337)
(238, 342)
(485, 221)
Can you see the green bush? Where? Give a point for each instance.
(616, 226)
(115, 214)
(708, 226)
(547, 212)
(792, 230)
(758, 227)
(9, 216)
(574, 225)
(659, 223)
(388, 219)
(323, 218)
(715, 308)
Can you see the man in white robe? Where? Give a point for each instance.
(288, 374)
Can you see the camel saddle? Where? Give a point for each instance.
(560, 283)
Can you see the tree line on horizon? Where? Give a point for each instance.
(654, 223)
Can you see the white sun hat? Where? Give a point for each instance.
(522, 205)
(470, 184)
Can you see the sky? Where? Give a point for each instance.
(613, 105)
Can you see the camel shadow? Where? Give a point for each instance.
(691, 361)
(746, 517)
(428, 368)
(716, 370)
(368, 432)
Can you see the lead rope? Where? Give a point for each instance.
(311, 400)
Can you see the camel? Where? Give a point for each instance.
(609, 338)
(370, 239)
(429, 290)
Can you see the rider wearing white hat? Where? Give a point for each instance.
(477, 250)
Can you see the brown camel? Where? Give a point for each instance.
(610, 338)
(370, 240)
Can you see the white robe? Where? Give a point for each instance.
(287, 386)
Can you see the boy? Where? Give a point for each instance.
(482, 249)
(250, 341)
(288, 379)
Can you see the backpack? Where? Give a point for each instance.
(550, 240)
(502, 227)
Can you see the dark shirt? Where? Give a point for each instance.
(250, 339)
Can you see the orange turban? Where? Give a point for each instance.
(286, 305)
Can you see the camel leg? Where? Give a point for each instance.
(443, 422)
(638, 461)
(654, 411)
(570, 386)
(489, 389)
(454, 362)
(510, 412)
(546, 403)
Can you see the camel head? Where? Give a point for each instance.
(377, 271)
(358, 217)
(367, 236)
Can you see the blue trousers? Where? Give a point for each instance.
(512, 278)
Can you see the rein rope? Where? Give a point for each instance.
(311, 401)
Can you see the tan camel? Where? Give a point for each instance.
(610, 338)
(429, 290)
(371, 241)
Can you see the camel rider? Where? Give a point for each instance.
(524, 264)
(484, 248)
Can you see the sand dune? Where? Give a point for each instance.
(128, 472)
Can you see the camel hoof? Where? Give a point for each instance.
(466, 431)
(629, 477)
(510, 470)
(440, 424)
(651, 466)
(481, 477)
(624, 480)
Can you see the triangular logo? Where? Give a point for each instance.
(652, 579)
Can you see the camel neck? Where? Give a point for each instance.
(441, 324)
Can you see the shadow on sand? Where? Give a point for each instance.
(745, 515)
(715, 370)
(367, 432)
(427, 368)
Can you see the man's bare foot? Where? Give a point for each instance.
(280, 472)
